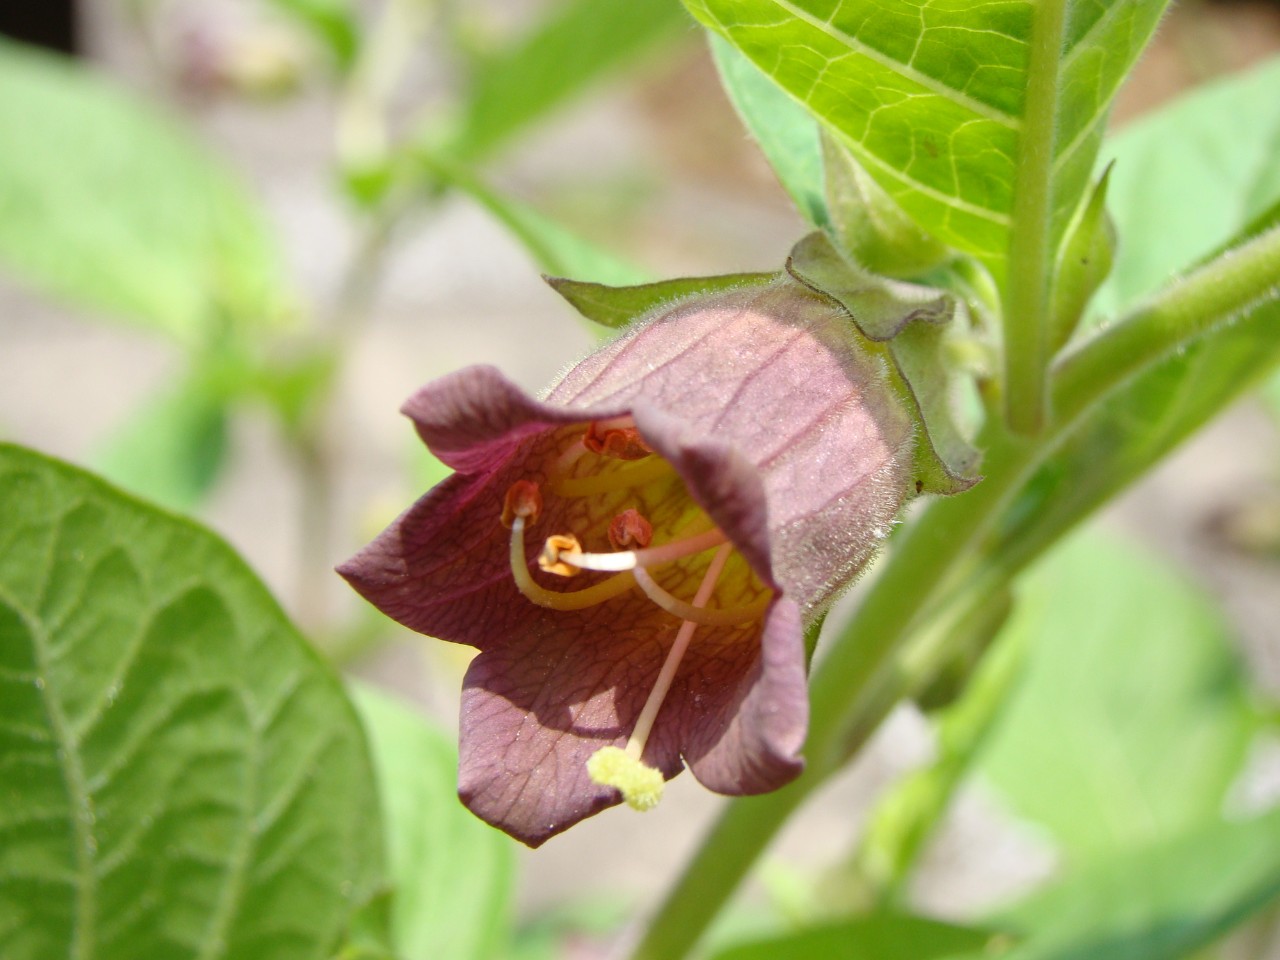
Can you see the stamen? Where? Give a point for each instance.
(618, 439)
(652, 556)
(724, 617)
(556, 546)
(630, 529)
(523, 499)
(632, 475)
(573, 600)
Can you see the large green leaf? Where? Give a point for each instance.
(1189, 177)
(1132, 720)
(579, 43)
(878, 937)
(1158, 903)
(931, 96)
(451, 874)
(106, 202)
(180, 775)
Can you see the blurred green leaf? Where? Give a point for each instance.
(786, 132)
(172, 450)
(578, 44)
(451, 874)
(332, 22)
(557, 250)
(106, 202)
(182, 776)
(878, 937)
(1158, 903)
(1133, 718)
(930, 98)
(1190, 176)
(617, 306)
(908, 814)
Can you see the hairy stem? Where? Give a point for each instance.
(1213, 294)
(1027, 286)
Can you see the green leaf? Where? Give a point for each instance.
(1189, 177)
(173, 449)
(1159, 903)
(1133, 718)
(583, 41)
(557, 250)
(106, 202)
(1084, 262)
(787, 133)
(931, 98)
(868, 226)
(181, 775)
(617, 306)
(451, 874)
(878, 937)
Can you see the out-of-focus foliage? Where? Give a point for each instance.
(876, 937)
(1133, 717)
(451, 875)
(108, 203)
(1189, 177)
(577, 44)
(183, 777)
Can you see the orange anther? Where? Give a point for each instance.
(523, 499)
(630, 531)
(549, 559)
(619, 443)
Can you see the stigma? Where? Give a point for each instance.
(653, 525)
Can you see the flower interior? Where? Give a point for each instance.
(626, 529)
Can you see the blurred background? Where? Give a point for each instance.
(288, 442)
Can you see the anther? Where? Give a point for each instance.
(618, 439)
(629, 530)
(550, 560)
(648, 557)
(551, 599)
(523, 500)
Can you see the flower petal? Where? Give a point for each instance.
(750, 730)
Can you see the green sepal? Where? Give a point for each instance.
(1083, 263)
(909, 325)
(615, 307)
(869, 224)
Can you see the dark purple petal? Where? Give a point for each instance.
(747, 731)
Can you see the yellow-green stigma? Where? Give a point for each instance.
(640, 784)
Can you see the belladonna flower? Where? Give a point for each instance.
(637, 555)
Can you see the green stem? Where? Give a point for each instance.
(363, 141)
(938, 560)
(1185, 309)
(1027, 283)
